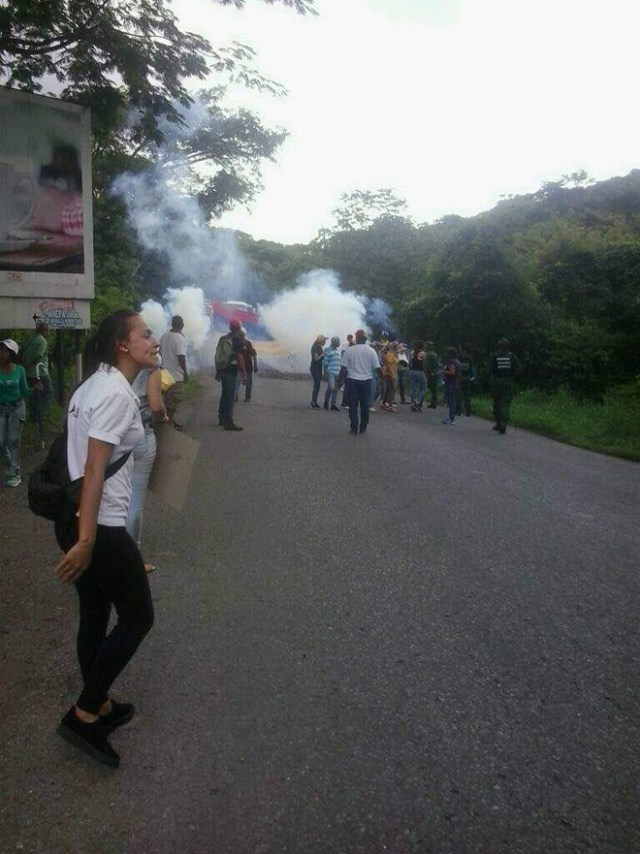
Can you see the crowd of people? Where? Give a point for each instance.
(376, 372)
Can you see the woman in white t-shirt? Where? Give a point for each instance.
(101, 559)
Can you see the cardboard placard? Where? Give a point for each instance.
(173, 467)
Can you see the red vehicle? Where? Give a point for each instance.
(224, 312)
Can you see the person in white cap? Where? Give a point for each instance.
(13, 390)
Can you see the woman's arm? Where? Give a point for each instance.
(77, 559)
(154, 395)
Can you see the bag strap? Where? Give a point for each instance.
(112, 468)
(116, 466)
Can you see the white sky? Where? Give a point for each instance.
(449, 102)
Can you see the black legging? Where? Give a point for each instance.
(115, 577)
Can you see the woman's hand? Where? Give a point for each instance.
(74, 562)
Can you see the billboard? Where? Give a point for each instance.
(46, 226)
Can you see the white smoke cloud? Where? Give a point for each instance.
(317, 306)
(190, 304)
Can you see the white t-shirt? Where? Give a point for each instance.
(172, 345)
(360, 361)
(105, 407)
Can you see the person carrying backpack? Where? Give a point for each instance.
(229, 363)
(100, 557)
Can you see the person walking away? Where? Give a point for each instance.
(467, 379)
(332, 359)
(390, 377)
(432, 372)
(147, 388)
(451, 384)
(35, 358)
(403, 373)
(100, 558)
(173, 349)
(13, 391)
(358, 363)
(229, 364)
(315, 368)
(504, 368)
(417, 378)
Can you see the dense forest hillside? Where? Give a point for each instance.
(557, 272)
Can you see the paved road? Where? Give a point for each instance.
(419, 640)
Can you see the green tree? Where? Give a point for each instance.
(361, 208)
(115, 55)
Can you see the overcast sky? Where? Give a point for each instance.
(449, 102)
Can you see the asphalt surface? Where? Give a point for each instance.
(423, 639)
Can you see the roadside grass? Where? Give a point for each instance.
(611, 427)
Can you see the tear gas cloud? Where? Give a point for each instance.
(189, 303)
(208, 264)
(317, 306)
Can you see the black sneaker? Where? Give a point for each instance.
(91, 738)
(353, 432)
(432, 406)
(315, 406)
(335, 409)
(326, 406)
(120, 714)
(233, 426)
(363, 430)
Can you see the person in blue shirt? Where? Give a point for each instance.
(332, 357)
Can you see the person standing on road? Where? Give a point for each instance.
(101, 559)
(432, 372)
(229, 364)
(467, 380)
(451, 384)
(315, 368)
(403, 372)
(173, 349)
(35, 358)
(250, 358)
(390, 376)
(349, 343)
(417, 379)
(358, 363)
(13, 390)
(503, 369)
(332, 359)
(147, 388)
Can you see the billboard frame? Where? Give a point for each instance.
(38, 284)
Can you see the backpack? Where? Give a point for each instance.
(225, 354)
(51, 492)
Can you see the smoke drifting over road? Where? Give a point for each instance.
(206, 264)
(316, 306)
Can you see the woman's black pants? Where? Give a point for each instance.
(115, 577)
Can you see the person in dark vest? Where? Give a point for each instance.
(467, 380)
(504, 367)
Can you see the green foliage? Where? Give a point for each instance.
(611, 426)
(362, 208)
(117, 55)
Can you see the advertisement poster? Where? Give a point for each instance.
(46, 229)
